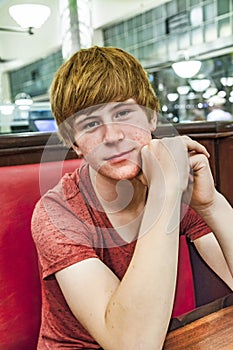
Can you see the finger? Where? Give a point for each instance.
(199, 162)
(194, 146)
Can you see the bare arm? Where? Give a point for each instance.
(212, 207)
(219, 216)
(134, 313)
(131, 314)
(210, 250)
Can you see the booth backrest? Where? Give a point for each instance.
(20, 292)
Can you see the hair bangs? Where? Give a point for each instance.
(96, 76)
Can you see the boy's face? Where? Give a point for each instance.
(110, 138)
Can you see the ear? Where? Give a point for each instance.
(77, 150)
(153, 122)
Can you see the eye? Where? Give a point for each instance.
(122, 114)
(91, 125)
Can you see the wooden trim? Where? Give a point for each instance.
(217, 137)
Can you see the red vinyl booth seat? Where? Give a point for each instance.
(20, 293)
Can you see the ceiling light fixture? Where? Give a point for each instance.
(17, 30)
(199, 85)
(23, 99)
(183, 89)
(227, 81)
(210, 92)
(7, 109)
(172, 97)
(187, 68)
(184, 67)
(28, 16)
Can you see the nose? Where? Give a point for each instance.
(113, 132)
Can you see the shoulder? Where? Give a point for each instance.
(60, 210)
(66, 188)
(61, 226)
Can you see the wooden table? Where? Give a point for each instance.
(211, 332)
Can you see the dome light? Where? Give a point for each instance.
(199, 85)
(23, 99)
(227, 81)
(7, 109)
(172, 96)
(183, 89)
(29, 15)
(186, 69)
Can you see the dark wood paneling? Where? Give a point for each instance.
(209, 143)
(225, 165)
(217, 137)
(32, 148)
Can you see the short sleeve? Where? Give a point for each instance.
(192, 225)
(61, 239)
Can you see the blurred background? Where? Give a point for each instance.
(186, 46)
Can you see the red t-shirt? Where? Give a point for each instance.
(68, 226)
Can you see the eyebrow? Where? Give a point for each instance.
(87, 116)
(83, 118)
(123, 104)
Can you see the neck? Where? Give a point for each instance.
(117, 196)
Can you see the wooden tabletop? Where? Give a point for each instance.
(211, 332)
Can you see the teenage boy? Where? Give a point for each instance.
(108, 235)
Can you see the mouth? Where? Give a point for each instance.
(120, 157)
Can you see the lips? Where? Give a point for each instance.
(119, 157)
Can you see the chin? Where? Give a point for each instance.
(127, 172)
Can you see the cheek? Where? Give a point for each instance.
(87, 145)
(142, 137)
(91, 152)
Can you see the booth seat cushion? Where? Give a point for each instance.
(20, 293)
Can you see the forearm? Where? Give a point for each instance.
(142, 304)
(219, 217)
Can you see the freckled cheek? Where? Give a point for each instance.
(90, 149)
(141, 137)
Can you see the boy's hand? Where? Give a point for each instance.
(165, 165)
(201, 189)
(180, 164)
(169, 154)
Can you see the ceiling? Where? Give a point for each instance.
(21, 48)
